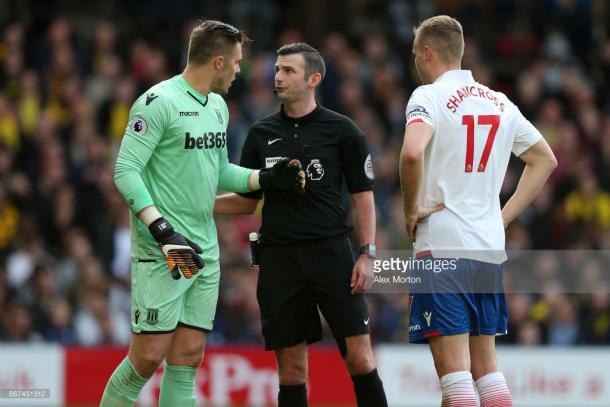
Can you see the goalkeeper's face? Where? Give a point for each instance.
(291, 85)
(226, 70)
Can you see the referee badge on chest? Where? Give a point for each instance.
(271, 161)
(315, 170)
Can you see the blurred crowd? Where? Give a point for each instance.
(67, 83)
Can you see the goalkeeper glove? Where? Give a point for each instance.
(285, 175)
(180, 253)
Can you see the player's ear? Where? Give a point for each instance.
(427, 52)
(218, 62)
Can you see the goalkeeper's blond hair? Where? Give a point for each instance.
(444, 34)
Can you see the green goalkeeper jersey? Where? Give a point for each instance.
(174, 156)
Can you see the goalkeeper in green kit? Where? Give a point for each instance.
(172, 161)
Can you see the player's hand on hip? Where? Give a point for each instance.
(424, 211)
(285, 175)
(411, 219)
(180, 253)
(362, 275)
(411, 227)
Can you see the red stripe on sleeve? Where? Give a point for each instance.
(414, 121)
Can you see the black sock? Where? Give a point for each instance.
(369, 390)
(292, 395)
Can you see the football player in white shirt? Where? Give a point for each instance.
(458, 140)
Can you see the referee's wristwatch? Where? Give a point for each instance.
(368, 249)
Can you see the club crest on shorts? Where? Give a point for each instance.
(152, 316)
(315, 170)
(219, 116)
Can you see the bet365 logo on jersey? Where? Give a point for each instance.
(207, 141)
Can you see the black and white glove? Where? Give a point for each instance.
(285, 175)
(180, 253)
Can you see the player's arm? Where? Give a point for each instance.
(411, 167)
(539, 164)
(235, 204)
(144, 131)
(284, 175)
(246, 202)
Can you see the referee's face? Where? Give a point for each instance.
(290, 83)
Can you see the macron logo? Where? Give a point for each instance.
(269, 142)
(428, 316)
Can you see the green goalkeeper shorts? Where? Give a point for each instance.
(159, 303)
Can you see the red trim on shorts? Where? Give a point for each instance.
(423, 253)
(414, 121)
(432, 334)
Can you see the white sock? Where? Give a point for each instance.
(458, 390)
(493, 391)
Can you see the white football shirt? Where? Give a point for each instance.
(475, 131)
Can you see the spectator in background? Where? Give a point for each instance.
(29, 103)
(60, 327)
(96, 321)
(563, 326)
(17, 324)
(9, 219)
(589, 206)
(529, 334)
(39, 297)
(96, 325)
(9, 129)
(114, 113)
(595, 317)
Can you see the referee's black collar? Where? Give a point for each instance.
(303, 119)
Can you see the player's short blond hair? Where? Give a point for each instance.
(444, 34)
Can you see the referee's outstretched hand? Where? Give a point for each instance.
(285, 175)
(362, 275)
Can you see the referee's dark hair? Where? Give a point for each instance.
(211, 38)
(313, 60)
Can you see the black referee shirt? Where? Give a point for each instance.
(331, 148)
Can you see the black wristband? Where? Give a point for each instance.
(264, 178)
(368, 249)
(161, 229)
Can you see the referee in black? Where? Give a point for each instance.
(306, 259)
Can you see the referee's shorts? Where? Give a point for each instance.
(295, 280)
